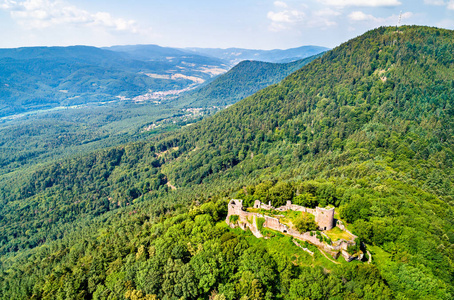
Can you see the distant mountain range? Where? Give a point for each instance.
(41, 77)
(34, 78)
(231, 56)
(235, 55)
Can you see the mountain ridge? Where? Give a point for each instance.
(234, 55)
(243, 80)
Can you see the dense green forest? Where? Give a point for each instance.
(48, 136)
(368, 128)
(243, 80)
(42, 133)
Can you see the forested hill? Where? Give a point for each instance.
(243, 80)
(368, 128)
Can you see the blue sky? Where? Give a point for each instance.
(190, 23)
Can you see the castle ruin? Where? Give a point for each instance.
(324, 217)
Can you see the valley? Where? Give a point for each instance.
(71, 130)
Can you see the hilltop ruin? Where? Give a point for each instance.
(324, 217)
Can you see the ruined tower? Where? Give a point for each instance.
(235, 207)
(324, 217)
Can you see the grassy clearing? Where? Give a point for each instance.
(285, 217)
(279, 244)
(290, 217)
(336, 234)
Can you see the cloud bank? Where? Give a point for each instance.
(359, 16)
(38, 14)
(285, 17)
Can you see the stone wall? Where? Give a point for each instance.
(336, 248)
(259, 204)
(274, 223)
(323, 217)
(235, 207)
(245, 221)
(290, 206)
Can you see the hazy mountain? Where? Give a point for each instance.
(231, 56)
(158, 53)
(44, 77)
(235, 55)
(25, 141)
(148, 52)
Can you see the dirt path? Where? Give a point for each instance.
(337, 263)
(171, 186)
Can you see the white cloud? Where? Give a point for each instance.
(322, 23)
(360, 16)
(323, 18)
(34, 14)
(285, 18)
(407, 15)
(288, 18)
(368, 3)
(281, 4)
(451, 5)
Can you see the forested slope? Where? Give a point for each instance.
(368, 128)
(243, 80)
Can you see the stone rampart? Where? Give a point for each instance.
(342, 227)
(290, 206)
(323, 217)
(274, 223)
(235, 207)
(245, 219)
(258, 204)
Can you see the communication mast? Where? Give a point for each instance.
(400, 19)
